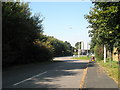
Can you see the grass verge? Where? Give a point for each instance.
(82, 58)
(112, 70)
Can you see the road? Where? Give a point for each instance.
(62, 73)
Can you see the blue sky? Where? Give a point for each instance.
(64, 20)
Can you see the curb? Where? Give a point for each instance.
(83, 78)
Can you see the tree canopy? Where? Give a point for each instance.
(23, 37)
(104, 23)
(78, 45)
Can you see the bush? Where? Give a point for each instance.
(99, 52)
(20, 31)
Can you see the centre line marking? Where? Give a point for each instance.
(29, 78)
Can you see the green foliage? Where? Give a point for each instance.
(98, 49)
(75, 53)
(23, 38)
(20, 30)
(78, 45)
(112, 71)
(59, 47)
(104, 20)
(92, 44)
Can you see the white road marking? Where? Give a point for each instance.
(29, 78)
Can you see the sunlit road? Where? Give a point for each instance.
(63, 73)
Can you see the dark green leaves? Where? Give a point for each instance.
(103, 19)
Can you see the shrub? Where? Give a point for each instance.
(99, 52)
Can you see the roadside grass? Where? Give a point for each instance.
(112, 70)
(82, 58)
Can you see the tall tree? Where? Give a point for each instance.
(78, 45)
(104, 20)
(20, 30)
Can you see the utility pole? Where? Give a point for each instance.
(104, 54)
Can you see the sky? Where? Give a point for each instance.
(64, 20)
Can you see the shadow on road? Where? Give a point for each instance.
(52, 78)
(91, 64)
(56, 73)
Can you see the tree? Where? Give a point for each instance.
(20, 31)
(105, 27)
(98, 49)
(78, 45)
(23, 38)
(58, 47)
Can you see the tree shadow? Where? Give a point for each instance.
(54, 78)
(56, 73)
(91, 64)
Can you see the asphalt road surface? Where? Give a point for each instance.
(63, 73)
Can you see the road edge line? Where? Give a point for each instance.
(83, 78)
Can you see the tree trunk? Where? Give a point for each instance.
(119, 57)
(111, 59)
(104, 54)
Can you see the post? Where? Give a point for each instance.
(104, 54)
